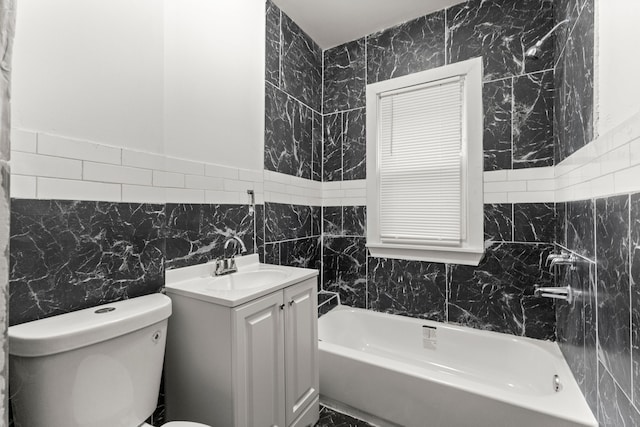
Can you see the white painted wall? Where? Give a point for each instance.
(183, 78)
(618, 86)
(214, 84)
(91, 69)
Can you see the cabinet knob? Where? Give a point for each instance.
(281, 306)
(291, 302)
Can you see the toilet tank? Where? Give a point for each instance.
(98, 367)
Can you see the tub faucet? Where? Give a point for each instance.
(228, 265)
(563, 258)
(555, 292)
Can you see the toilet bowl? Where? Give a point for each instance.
(97, 367)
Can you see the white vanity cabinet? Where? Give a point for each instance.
(277, 357)
(249, 365)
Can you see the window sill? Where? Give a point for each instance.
(464, 256)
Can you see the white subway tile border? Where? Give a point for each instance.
(607, 166)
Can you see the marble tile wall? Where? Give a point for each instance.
(574, 77)
(70, 255)
(598, 332)
(293, 89)
(497, 295)
(195, 234)
(518, 95)
(291, 235)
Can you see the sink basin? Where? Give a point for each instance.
(246, 280)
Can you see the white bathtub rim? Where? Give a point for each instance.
(562, 405)
(546, 345)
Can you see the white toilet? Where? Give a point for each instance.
(98, 367)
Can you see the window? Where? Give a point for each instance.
(424, 165)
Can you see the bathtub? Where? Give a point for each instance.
(394, 370)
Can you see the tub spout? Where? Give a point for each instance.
(563, 293)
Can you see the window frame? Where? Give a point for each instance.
(471, 248)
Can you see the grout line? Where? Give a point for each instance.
(280, 71)
(595, 309)
(513, 222)
(366, 63)
(446, 37)
(519, 75)
(342, 129)
(513, 109)
(290, 96)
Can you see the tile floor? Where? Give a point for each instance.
(331, 418)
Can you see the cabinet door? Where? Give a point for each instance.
(259, 363)
(301, 344)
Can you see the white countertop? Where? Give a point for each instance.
(198, 281)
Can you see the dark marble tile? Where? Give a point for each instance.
(196, 234)
(580, 228)
(498, 222)
(497, 98)
(332, 220)
(272, 46)
(561, 223)
(612, 234)
(316, 147)
(591, 342)
(409, 288)
(635, 293)
(272, 253)
(354, 220)
(614, 409)
(288, 134)
(304, 253)
(70, 255)
(344, 269)
(565, 9)
(354, 145)
(225, 221)
(259, 219)
(534, 222)
(301, 64)
(533, 142)
(570, 320)
(497, 295)
(331, 418)
(316, 220)
(500, 31)
(413, 46)
(344, 77)
(285, 222)
(575, 87)
(332, 140)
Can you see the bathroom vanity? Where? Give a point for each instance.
(242, 349)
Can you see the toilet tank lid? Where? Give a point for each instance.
(81, 328)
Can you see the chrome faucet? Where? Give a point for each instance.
(226, 265)
(563, 258)
(564, 292)
(235, 240)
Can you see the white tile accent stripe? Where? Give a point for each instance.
(48, 166)
(607, 166)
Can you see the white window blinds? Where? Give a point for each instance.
(420, 164)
